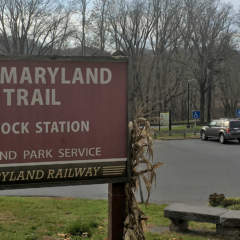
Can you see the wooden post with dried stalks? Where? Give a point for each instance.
(142, 167)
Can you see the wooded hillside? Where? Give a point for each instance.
(170, 44)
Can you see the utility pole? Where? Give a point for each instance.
(188, 124)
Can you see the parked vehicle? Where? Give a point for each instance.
(223, 129)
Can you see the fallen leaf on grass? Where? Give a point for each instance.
(63, 235)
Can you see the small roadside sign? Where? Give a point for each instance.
(238, 112)
(196, 114)
(164, 119)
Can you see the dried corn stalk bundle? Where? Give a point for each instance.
(142, 166)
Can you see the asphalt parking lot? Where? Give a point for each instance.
(193, 169)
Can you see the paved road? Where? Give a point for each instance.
(192, 170)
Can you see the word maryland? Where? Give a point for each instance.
(41, 77)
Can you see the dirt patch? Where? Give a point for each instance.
(7, 216)
(158, 229)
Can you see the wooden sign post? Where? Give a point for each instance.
(116, 210)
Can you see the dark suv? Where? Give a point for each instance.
(222, 129)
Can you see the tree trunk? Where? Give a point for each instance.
(209, 96)
(202, 104)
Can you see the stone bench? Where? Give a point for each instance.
(227, 221)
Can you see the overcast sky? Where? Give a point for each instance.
(235, 3)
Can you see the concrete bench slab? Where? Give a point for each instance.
(227, 221)
(194, 213)
(229, 226)
(231, 218)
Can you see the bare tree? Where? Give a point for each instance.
(32, 27)
(207, 25)
(82, 11)
(82, 4)
(228, 86)
(131, 23)
(164, 38)
(100, 24)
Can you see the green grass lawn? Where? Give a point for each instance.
(177, 132)
(47, 218)
(30, 218)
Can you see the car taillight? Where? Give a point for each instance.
(228, 130)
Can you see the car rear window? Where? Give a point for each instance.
(235, 124)
(226, 124)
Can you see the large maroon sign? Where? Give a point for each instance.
(63, 120)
